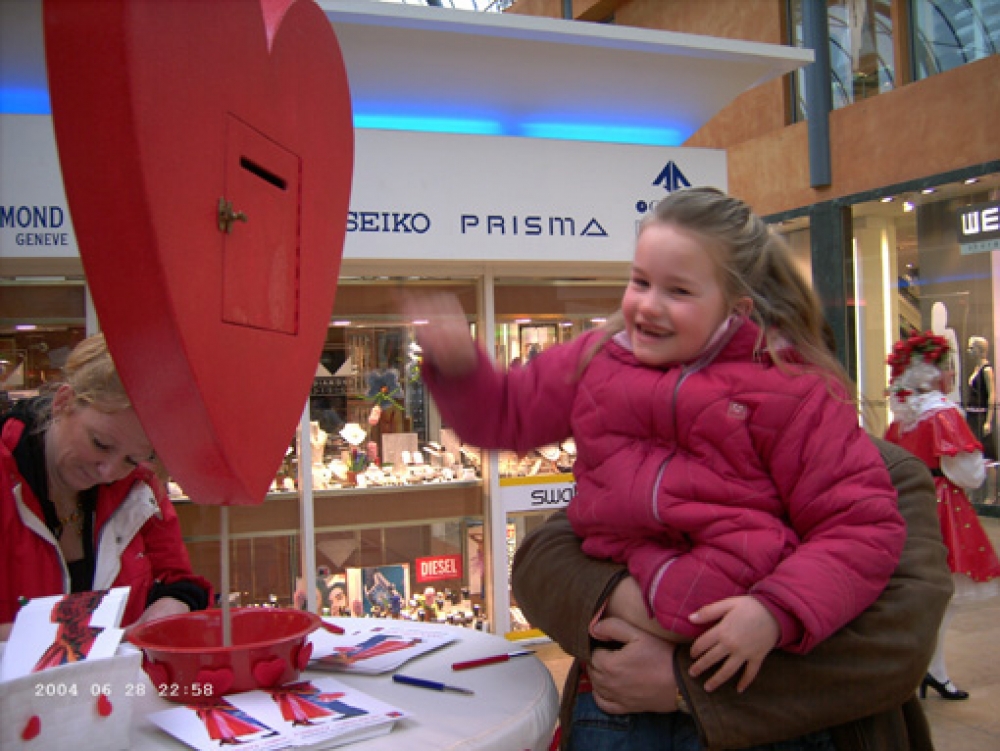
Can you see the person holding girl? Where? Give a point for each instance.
(719, 453)
(858, 687)
(931, 426)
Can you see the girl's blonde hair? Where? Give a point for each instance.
(753, 262)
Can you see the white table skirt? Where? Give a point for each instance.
(514, 708)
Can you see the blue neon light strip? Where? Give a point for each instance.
(610, 133)
(469, 126)
(570, 131)
(21, 101)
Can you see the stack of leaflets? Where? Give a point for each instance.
(63, 630)
(372, 645)
(320, 713)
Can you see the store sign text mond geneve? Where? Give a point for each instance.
(532, 225)
(35, 225)
(979, 227)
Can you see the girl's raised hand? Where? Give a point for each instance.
(442, 332)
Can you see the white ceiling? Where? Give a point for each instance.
(417, 60)
(409, 60)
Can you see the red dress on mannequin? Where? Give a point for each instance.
(942, 432)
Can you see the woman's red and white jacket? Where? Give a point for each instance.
(137, 539)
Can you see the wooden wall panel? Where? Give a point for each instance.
(943, 123)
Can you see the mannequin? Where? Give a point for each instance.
(981, 401)
(939, 325)
(929, 425)
(317, 440)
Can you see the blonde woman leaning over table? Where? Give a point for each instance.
(80, 507)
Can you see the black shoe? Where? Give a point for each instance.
(946, 690)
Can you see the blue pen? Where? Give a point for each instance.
(433, 685)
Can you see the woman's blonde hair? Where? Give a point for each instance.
(91, 372)
(755, 263)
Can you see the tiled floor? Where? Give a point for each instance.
(973, 661)
(973, 653)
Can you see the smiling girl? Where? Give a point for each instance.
(719, 453)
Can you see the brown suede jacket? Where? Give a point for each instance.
(860, 682)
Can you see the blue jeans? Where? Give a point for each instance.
(594, 730)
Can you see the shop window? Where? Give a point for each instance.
(861, 51)
(530, 317)
(914, 270)
(397, 500)
(950, 33)
(39, 326)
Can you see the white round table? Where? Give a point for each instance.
(514, 708)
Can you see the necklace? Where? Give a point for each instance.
(74, 519)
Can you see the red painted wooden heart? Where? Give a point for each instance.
(174, 120)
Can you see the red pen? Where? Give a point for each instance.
(491, 660)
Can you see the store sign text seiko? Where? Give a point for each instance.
(390, 222)
(520, 225)
(979, 228)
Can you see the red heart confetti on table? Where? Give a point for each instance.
(104, 707)
(207, 152)
(268, 672)
(31, 728)
(220, 679)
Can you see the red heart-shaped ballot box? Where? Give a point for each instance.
(207, 151)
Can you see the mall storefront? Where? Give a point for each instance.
(918, 256)
(407, 520)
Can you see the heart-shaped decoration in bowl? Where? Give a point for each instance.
(186, 659)
(207, 153)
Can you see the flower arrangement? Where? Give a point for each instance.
(355, 435)
(928, 346)
(383, 389)
(359, 460)
(916, 362)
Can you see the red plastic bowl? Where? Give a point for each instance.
(186, 661)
